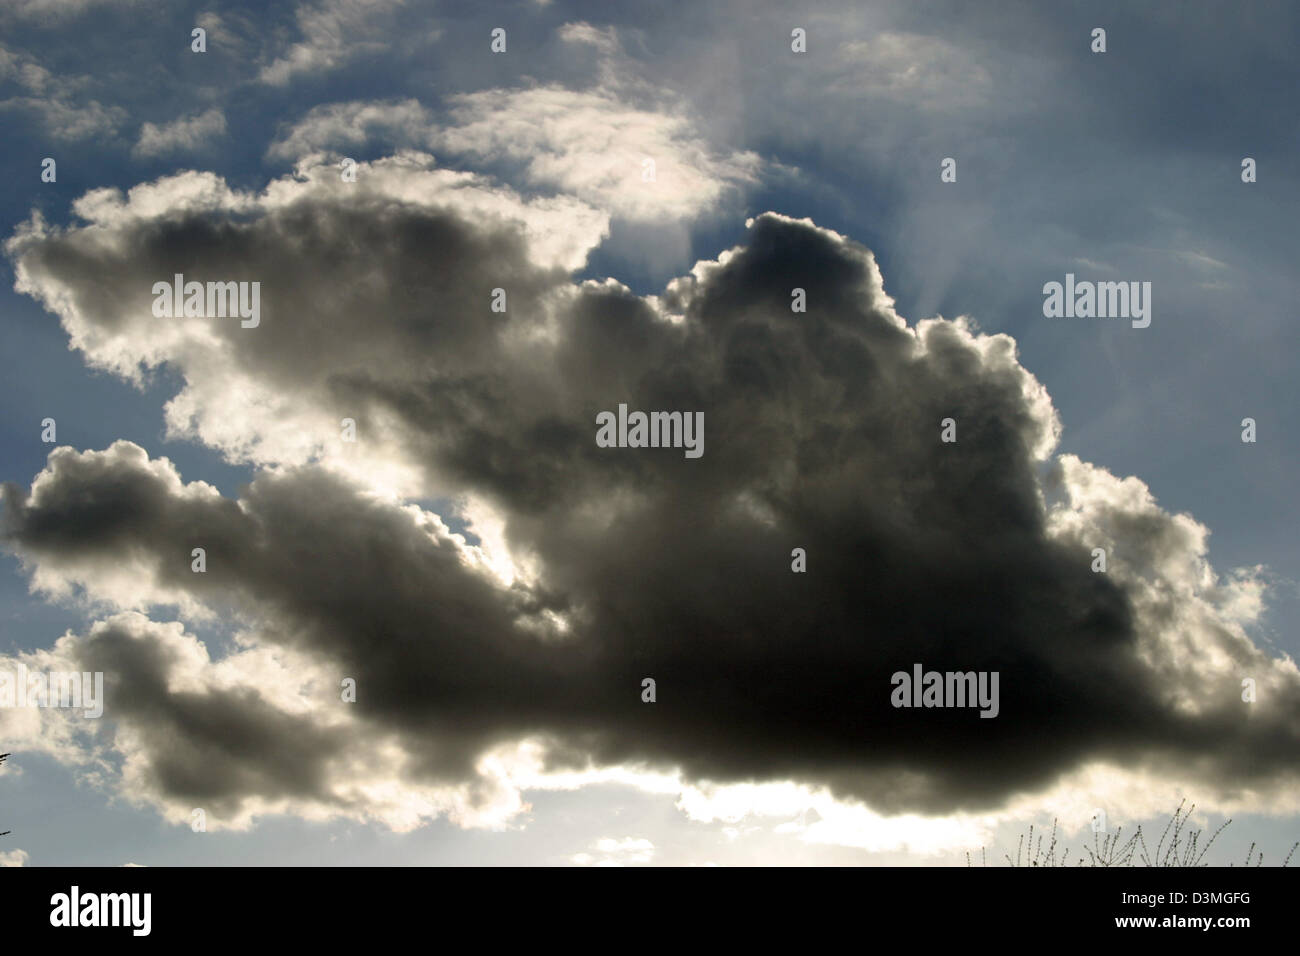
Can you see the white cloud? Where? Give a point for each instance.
(595, 147)
(1192, 632)
(185, 133)
(629, 851)
(57, 100)
(333, 31)
(58, 9)
(343, 126)
(13, 858)
(592, 146)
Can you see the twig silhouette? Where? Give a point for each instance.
(1178, 846)
(2, 760)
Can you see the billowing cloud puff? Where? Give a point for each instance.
(593, 568)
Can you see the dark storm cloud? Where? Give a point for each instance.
(211, 747)
(822, 432)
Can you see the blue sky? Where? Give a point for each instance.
(1122, 165)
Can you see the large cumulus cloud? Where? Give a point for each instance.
(594, 568)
